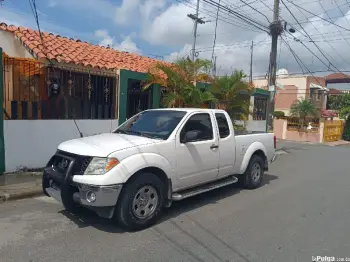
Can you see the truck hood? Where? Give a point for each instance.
(104, 144)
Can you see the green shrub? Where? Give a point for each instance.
(278, 114)
(346, 132)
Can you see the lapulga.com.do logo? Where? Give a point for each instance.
(322, 258)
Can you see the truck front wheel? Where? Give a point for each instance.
(141, 202)
(253, 176)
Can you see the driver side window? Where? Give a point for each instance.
(200, 123)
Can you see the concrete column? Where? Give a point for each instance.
(251, 108)
(321, 131)
(284, 132)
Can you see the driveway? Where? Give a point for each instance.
(302, 210)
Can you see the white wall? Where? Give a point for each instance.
(12, 46)
(31, 143)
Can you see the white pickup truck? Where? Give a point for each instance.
(156, 157)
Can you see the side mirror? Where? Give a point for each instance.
(191, 136)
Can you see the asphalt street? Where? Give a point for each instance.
(302, 210)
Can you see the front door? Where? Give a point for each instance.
(198, 161)
(138, 100)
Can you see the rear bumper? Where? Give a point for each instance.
(101, 199)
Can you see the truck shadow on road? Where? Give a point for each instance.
(86, 218)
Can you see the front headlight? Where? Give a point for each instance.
(101, 165)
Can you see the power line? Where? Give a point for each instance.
(319, 49)
(222, 18)
(248, 4)
(326, 41)
(238, 15)
(316, 16)
(36, 17)
(315, 20)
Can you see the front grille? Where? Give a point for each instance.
(80, 162)
(60, 163)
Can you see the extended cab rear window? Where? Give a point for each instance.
(224, 129)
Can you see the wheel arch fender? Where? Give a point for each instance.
(145, 161)
(256, 148)
(149, 163)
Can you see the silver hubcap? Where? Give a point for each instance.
(145, 202)
(256, 172)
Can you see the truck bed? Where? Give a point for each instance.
(244, 141)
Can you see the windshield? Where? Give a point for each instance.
(153, 124)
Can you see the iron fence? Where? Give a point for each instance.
(33, 90)
(260, 106)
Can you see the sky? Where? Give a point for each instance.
(161, 29)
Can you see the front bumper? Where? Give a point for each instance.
(100, 199)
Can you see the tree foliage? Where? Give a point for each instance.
(303, 108)
(233, 94)
(344, 110)
(179, 80)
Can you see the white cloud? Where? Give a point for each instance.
(52, 3)
(184, 52)
(124, 13)
(107, 40)
(127, 44)
(173, 28)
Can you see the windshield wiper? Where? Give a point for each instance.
(130, 132)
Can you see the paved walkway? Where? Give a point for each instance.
(338, 143)
(20, 185)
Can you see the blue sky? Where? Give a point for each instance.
(161, 27)
(81, 19)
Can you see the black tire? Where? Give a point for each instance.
(124, 212)
(247, 179)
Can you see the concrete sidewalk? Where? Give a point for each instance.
(20, 185)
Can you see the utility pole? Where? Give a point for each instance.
(276, 29)
(251, 63)
(214, 66)
(196, 20)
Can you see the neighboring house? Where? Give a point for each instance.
(291, 88)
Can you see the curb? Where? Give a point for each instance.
(36, 191)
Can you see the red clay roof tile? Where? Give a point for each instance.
(68, 50)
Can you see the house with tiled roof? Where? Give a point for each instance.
(51, 81)
(93, 72)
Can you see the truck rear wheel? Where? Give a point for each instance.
(253, 176)
(141, 202)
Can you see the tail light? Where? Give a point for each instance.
(274, 142)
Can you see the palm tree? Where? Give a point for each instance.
(179, 80)
(302, 109)
(233, 94)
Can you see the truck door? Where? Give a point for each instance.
(227, 146)
(197, 159)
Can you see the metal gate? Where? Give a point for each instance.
(333, 130)
(138, 99)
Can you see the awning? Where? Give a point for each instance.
(312, 85)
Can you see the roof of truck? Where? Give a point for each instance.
(191, 109)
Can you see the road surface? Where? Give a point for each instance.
(302, 210)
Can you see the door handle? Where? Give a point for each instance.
(214, 146)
